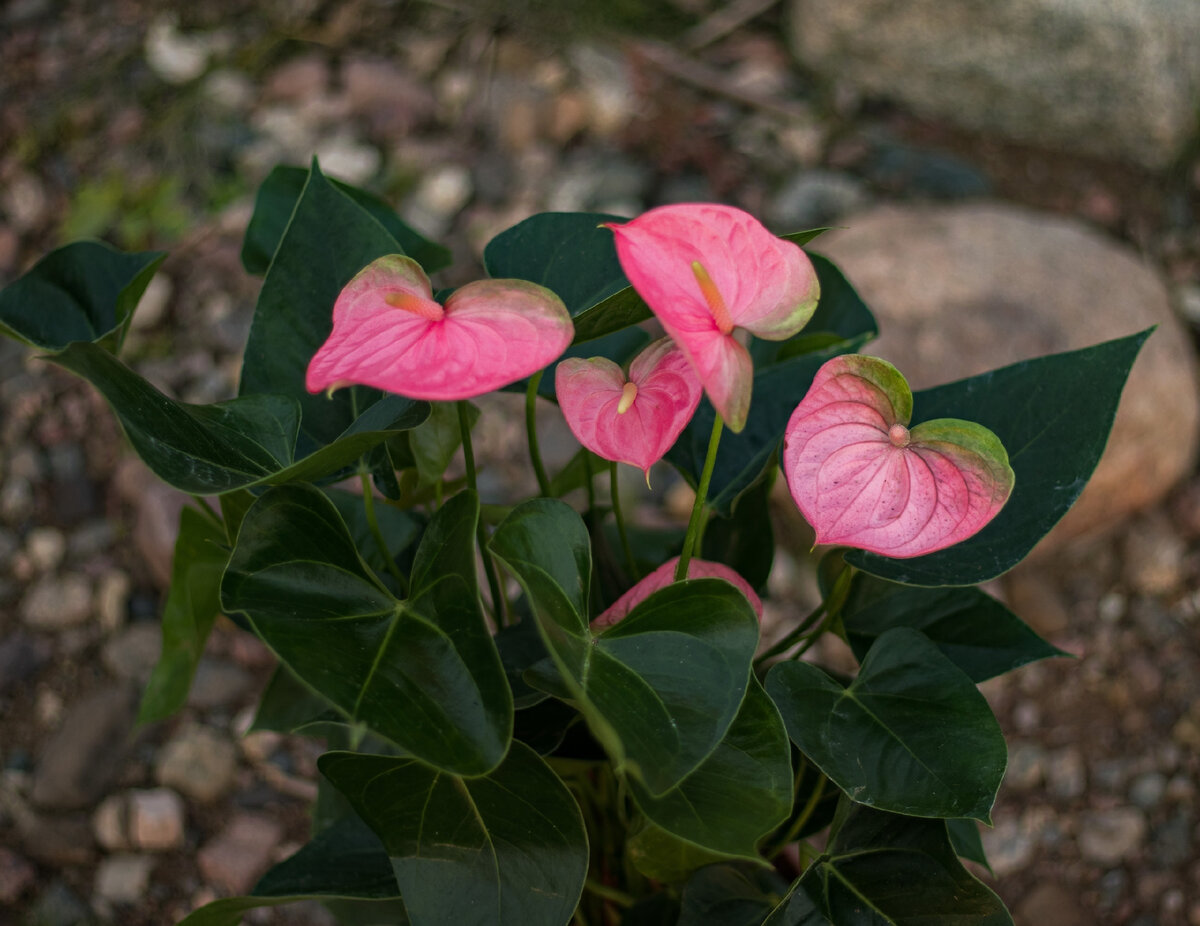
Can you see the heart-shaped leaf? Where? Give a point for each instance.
(422, 672)
(250, 441)
(84, 291)
(276, 201)
(660, 689)
(570, 253)
(739, 793)
(631, 419)
(1054, 414)
(192, 605)
(974, 630)
(729, 895)
(505, 849)
(346, 861)
(294, 314)
(861, 478)
(888, 870)
(910, 734)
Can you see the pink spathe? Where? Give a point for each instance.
(707, 270)
(632, 419)
(863, 479)
(663, 576)
(390, 333)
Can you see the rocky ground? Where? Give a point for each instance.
(148, 131)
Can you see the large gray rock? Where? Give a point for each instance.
(1115, 78)
(959, 290)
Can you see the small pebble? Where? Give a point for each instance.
(1148, 790)
(123, 878)
(200, 762)
(235, 858)
(45, 547)
(57, 602)
(1109, 837)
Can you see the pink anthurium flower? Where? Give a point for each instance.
(863, 479)
(388, 332)
(663, 576)
(632, 419)
(706, 270)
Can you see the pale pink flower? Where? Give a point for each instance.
(663, 576)
(706, 270)
(388, 332)
(632, 419)
(863, 479)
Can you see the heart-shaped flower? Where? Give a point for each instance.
(862, 479)
(632, 419)
(706, 270)
(663, 576)
(388, 332)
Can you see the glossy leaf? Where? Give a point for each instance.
(422, 672)
(294, 314)
(193, 603)
(888, 870)
(729, 895)
(971, 628)
(276, 201)
(660, 689)
(288, 705)
(210, 449)
(742, 458)
(401, 529)
(505, 849)
(83, 291)
(745, 541)
(570, 253)
(911, 734)
(1053, 414)
(433, 444)
(662, 856)
(966, 840)
(739, 793)
(346, 861)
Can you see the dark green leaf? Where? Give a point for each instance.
(193, 603)
(345, 861)
(433, 443)
(660, 688)
(663, 857)
(888, 870)
(739, 793)
(505, 849)
(742, 457)
(911, 733)
(210, 449)
(729, 895)
(1053, 415)
(276, 201)
(745, 541)
(974, 630)
(288, 704)
(573, 255)
(423, 672)
(401, 529)
(796, 909)
(804, 237)
(330, 239)
(656, 910)
(965, 838)
(83, 291)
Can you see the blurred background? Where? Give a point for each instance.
(1003, 180)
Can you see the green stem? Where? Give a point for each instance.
(697, 518)
(793, 636)
(373, 523)
(535, 453)
(616, 507)
(798, 824)
(499, 605)
(608, 893)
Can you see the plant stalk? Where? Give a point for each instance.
(373, 523)
(690, 541)
(535, 453)
(630, 562)
(499, 605)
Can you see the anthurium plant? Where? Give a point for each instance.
(538, 711)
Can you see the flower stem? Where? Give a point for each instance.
(535, 453)
(798, 824)
(690, 541)
(620, 898)
(630, 562)
(499, 605)
(373, 523)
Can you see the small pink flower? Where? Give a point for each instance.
(706, 270)
(863, 479)
(663, 576)
(632, 419)
(388, 332)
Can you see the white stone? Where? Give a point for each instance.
(45, 547)
(175, 57)
(124, 878)
(156, 819)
